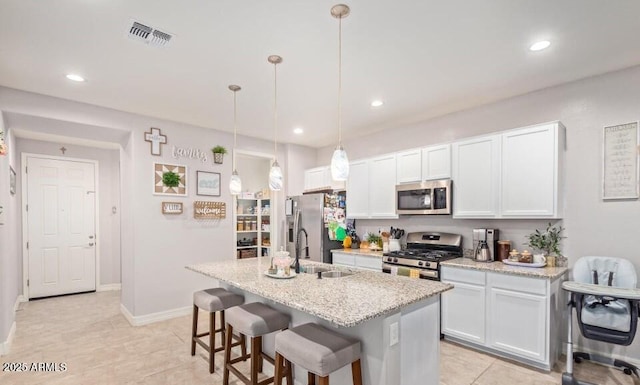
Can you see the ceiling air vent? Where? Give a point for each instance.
(148, 35)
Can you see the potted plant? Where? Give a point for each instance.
(547, 241)
(170, 179)
(218, 154)
(375, 241)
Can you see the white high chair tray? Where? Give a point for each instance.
(600, 290)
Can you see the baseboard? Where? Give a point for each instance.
(19, 299)
(110, 287)
(630, 360)
(154, 317)
(5, 346)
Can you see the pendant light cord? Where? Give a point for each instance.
(340, 82)
(275, 111)
(235, 128)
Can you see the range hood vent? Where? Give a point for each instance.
(148, 35)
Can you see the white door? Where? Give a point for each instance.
(61, 226)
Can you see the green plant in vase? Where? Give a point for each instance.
(547, 241)
(374, 240)
(170, 179)
(218, 154)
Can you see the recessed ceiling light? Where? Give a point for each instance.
(75, 78)
(377, 103)
(539, 46)
(298, 130)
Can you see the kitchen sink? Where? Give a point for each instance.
(315, 269)
(335, 274)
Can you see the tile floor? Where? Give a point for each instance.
(88, 333)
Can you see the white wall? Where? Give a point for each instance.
(299, 158)
(593, 227)
(10, 264)
(108, 195)
(253, 171)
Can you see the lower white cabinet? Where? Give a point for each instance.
(368, 262)
(514, 316)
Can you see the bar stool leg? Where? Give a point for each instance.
(255, 358)
(212, 340)
(222, 323)
(277, 376)
(227, 354)
(311, 378)
(243, 346)
(260, 359)
(324, 380)
(288, 372)
(194, 330)
(356, 372)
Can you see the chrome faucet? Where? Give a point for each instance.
(306, 248)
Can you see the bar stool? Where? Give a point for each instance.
(253, 320)
(319, 351)
(212, 301)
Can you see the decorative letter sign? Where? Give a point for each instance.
(209, 210)
(620, 171)
(172, 207)
(156, 139)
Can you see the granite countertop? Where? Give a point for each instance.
(345, 301)
(365, 252)
(499, 267)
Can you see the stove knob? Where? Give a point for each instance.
(395, 259)
(420, 263)
(389, 259)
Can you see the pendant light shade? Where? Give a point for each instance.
(276, 179)
(339, 165)
(235, 183)
(339, 160)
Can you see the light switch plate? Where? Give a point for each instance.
(393, 334)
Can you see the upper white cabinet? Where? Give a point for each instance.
(382, 187)
(530, 171)
(476, 177)
(409, 166)
(320, 177)
(358, 189)
(371, 188)
(436, 162)
(513, 174)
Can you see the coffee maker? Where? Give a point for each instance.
(490, 238)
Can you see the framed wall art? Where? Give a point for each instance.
(620, 162)
(169, 179)
(208, 183)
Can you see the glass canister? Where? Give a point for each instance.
(514, 256)
(503, 250)
(526, 257)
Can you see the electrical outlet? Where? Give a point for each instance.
(394, 332)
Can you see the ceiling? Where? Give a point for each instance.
(423, 58)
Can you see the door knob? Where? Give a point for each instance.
(91, 244)
(90, 236)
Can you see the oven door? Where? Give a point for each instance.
(423, 273)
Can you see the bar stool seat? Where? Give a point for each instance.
(253, 320)
(319, 351)
(212, 301)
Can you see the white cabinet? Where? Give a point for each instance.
(436, 162)
(513, 174)
(468, 297)
(371, 188)
(382, 187)
(358, 189)
(320, 178)
(513, 316)
(476, 177)
(367, 262)
(409, 166)
(530, 177)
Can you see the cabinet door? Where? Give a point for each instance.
(358, 190)
(436, 162)
(314, 178)
(463, 312)
(372, 263)
(409, 168)
(529, 172)
(343, 259)
(476, 177)
(382, 187)
(517, 323)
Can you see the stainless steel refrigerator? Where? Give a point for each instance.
(306, 214)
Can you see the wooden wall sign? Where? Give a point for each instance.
(172, 207)
(209, 210)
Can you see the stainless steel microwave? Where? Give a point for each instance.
(427, 197)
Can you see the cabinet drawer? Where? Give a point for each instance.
(371, 263)
(518, 283)
(463, 275)
(344, 259)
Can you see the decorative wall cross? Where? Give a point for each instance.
(156, 139)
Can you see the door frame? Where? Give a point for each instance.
(25, 220)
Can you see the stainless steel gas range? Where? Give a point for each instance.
(424, 252)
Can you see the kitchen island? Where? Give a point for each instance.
(397, 319)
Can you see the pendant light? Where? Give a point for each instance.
(235, 183)
(275, 174)
(339, 160)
